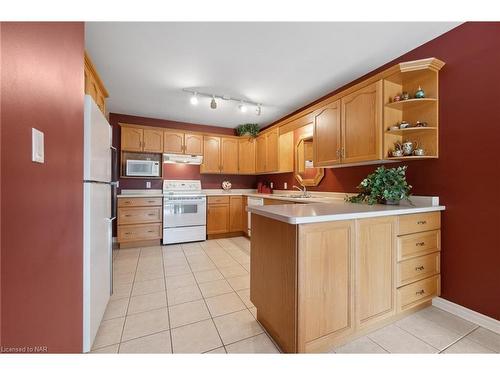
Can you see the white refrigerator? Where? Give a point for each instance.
(97, 220)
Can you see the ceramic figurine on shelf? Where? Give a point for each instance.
(397, 98)
(404, 124)
(420, 124)
(419, 94)
(405, 95)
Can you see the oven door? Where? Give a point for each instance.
(184, 212)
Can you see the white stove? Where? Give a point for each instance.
(184, 211)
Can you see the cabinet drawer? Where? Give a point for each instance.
(419, 222)
(218, 200)
(418, 292)
(418, 268)
(139, 202)
(418, 244)
(127, 233)
(139, 215)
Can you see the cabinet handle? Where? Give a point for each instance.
(151, 214)
(419, 268)
(420, 243)
(343, 152)
(128, 232)
(422, 222)
(420, 292)
(337, 153)
(151, 231)
(151, 201)
(127, 215)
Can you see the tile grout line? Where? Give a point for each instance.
(204, 301)
(130, 297)
(376, 343)
(457, 340)
(166, 298)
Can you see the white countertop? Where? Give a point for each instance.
(339, 210)
(140, 193)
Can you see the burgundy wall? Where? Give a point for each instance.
(174, 171)
(42, 204)
(466, 176)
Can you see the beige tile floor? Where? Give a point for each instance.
(195, 298)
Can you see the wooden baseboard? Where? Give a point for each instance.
(225, 235)
(128, 245)
(467, 314)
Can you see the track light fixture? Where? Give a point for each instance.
(213, 103)
(242, 106)
(194, 98)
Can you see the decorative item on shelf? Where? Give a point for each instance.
(394, 127)
(408, 147)
(420, 124)
(385, 185)
(248, 129)
(405, 95)
(419, 152)
(419, 94)
(226, 185)
(397, 153)
(396, 98)
(404, 124)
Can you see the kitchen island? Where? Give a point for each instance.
(324, 274)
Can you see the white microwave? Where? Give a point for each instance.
(143, 168)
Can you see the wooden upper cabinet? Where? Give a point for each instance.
(246, 155)
(93, 84)
(211, 155)
(193, 144)
(229, 155)
(173, 142)
(327, 138)
(375, 252)
(361, 120)
(272, 159)
(132, 139)
(152, 140)
(260, 153)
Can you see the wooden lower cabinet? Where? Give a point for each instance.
(375, 277)
(139, 221)
(325, 282)
(317, 286)
(225, 215)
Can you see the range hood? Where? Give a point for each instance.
(182, 159)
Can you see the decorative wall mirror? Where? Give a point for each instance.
(305, 172)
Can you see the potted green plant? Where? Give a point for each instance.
(248, 129)
(385, 185)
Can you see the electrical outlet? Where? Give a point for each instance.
(148, 184)
(285, 186)
(271, 185)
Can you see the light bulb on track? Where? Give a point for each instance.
(213, 103)
(242, 107)
(194, 99)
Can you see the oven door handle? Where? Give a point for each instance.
(195, 201)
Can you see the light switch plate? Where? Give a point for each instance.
(148, 184)
(37, 146)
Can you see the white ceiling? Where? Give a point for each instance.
(145, 65)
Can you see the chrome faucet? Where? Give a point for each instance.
(303, 191)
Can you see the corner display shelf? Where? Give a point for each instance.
(411, 75)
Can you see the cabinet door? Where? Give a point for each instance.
(327, 141)
(131, 139)
(153, 140)
(246, 156)
(272, 154)
(217, 218)
(325, 280)
(211, 155)
(173, 142)
(229, 155)
(375, 263)
(361, 120)
(260, 154)
(236, 214)
(193, 144)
